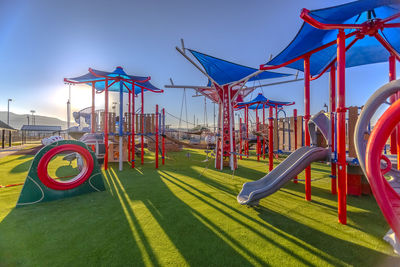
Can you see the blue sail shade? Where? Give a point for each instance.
(260, 102)
(224, 72)
(98, 78)
(365, 51)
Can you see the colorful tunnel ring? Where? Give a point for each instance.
(73, 183)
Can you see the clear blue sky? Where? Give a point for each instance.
(43, 41)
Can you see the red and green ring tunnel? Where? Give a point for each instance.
(40, 187)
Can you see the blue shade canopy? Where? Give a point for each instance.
(224, 72)
(260, 102)
(365, 51)
(98, 77)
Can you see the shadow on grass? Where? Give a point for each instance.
(84, 230)
(197, 238)
(14, 159)
(206, 197)
(343, 250)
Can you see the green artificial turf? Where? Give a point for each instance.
(186, 213)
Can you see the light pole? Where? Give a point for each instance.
(33, 117)
(8, 111)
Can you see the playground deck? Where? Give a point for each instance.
(186, 213)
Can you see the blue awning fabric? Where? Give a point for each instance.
(98, 77)
(261, 101)
(365, 51)
(225, 72)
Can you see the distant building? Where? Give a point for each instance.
(38, 132)
(6, 130)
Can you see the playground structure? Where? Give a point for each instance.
(313, 52)
(226, 87)
(39, 186)
(261, 102)
(130, 125)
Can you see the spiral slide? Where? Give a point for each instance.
(294, 164)
(371, 158)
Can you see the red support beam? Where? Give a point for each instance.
(392, 71)
(106, 125)
(396, 133)
(341, 127)
(332, 79)
(308, 54)
(133, 145)
(263, 147)
(247, 130)
(307, 116)
(142, 134)
(305, 15)
(156, 133)
(240, 137)
(163, 138)
(271, 139)
(258, 137)
(129, 123)
(93, 124)
(295, 135)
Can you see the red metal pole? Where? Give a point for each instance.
(133, 146)
(392, 76)
(156, 149)
(263, 148)
(341, 127)
(333, 108)
(307, 77)
(271, 139)
(295, 136)
(142, 136)
(128, 123)
(106, 125)
(163, 137)
(247, 131)
(396, 133)
(240, 137)
(93, 109)
(258, 137)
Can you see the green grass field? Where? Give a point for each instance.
(186, 213)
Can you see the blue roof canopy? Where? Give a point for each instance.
(260, 101)
(224, 72)
(97, 76)
(365, 51)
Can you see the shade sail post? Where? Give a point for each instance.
(106, 124)
(271, 139)
(307, 116)
(120, 125)
(128, 122)
(93, 122)
(341, 127)
(332, 96)
(142, 129)
(133, 115)
(295, 136)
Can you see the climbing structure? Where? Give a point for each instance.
(119, 81)
(226, 87)
(331, 39)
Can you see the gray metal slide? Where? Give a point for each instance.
(294, 164)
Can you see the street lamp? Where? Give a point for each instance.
(33, 117)
(8, 111)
